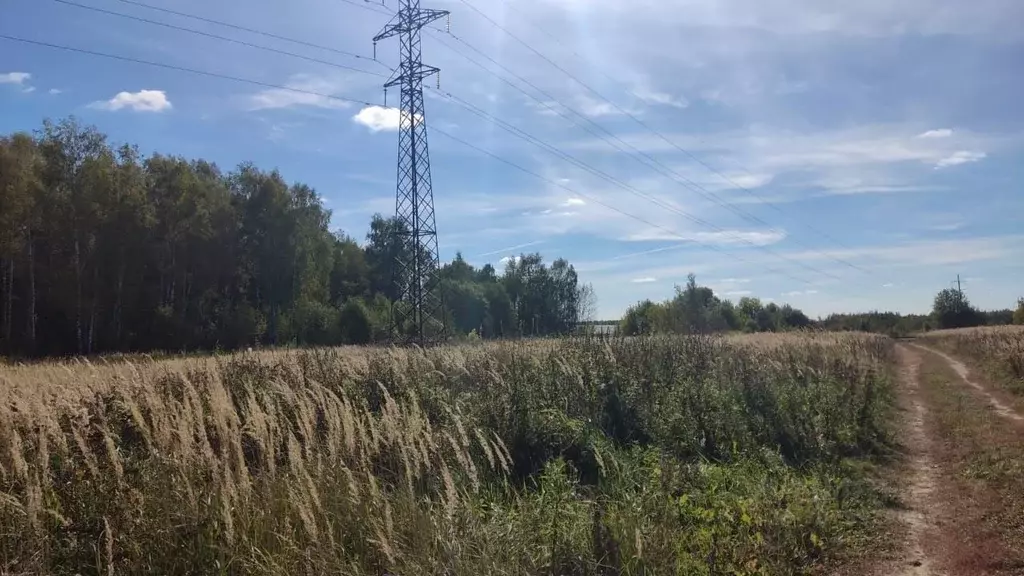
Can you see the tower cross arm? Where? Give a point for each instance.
(408, 21)
(415, 75)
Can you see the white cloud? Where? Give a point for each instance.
(16, 78)
(510, 248)
(948, 227)
(662, 98)
(574, 202)
(924, 253)
(378, 118)
(887, 285)
(799, 293)
(595, 108)
(960, 157)
(29, 89)
(508, 259)
(302, 90)
(867, 18)
(940, 133)
(724, 237)
(749, 180)
(141, 101)
(644, 280)
(54, 91)
(867, 159)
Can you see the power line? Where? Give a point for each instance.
(366, 103)
(184, 69)
(625, 186)
(633, 190)
(366, 5)
(260, 47)
(650, 162)
(246, 29)
(493, 119)
(216, 37)
(599, 202)
(642, 123)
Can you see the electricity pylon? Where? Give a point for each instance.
(418, 310)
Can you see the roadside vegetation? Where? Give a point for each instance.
(666, 455)
(997, 351)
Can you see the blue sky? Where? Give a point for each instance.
(840, 156)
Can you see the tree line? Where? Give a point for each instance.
(102, 250)
(696, 308)
(950, 309)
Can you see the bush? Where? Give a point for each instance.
(312, 324)
(355, 324)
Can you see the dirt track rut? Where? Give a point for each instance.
(960, 368)
(921, 476)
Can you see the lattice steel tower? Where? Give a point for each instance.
(418, 311)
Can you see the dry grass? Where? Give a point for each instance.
(997, 350)
(687, 455)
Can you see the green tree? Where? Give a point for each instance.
(350, 272)
(103, 249)
(639, 319)
(19, 191)
(1018, 314)
(354, 320)
(951, 309)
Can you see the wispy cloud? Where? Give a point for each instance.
(141, 101)
(594, 108)
(19, 79)
(870, 159)
(651, 96)
(303, 90)
(793, 293)
(644, 280)
(16, 78)
(721, 238)
(960, 157)
(924, 253)
(510, 248)
(940, 133)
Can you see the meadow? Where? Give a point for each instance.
(652, 455)
(997, 350)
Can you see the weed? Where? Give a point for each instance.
(686, 455)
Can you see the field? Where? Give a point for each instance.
(659, 455)
(999, 351)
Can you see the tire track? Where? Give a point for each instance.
(961, 369)
(921, 476)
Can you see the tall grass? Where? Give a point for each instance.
(999, 350)
(684, 455)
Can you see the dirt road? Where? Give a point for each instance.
(962, 492)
